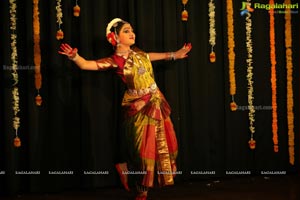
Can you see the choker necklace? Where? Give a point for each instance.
(123, 52)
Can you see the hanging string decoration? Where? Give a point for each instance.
(184, 13)
(231, 53)
(289, 74)
(59, 16)
(249, 61)
(273, 77)
(76, 9)
(212, 29)
(37, 52)
(14, 66)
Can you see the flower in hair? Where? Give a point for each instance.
(111, 37)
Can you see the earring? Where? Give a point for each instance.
(117, 39)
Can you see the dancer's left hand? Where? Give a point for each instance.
(182, 53)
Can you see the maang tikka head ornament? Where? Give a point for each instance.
(112, 36)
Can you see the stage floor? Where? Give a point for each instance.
(246, 188)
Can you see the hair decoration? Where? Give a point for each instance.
(112, 23)
(111, 36)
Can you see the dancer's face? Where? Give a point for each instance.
(126, 35)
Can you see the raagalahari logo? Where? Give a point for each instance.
(246, 7)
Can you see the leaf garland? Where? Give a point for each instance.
(14, 65)
(289, 74)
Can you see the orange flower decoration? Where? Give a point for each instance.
(36, 48)
(212, 57)
(273, 78)
(59, 35)
(289, 74)
(231, 45)
(184, 13)
(38, 100)
(252, 144)
(76, 11)
(233, 106)
(17, 141)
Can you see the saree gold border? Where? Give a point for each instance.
(164, 163)
(128, 69)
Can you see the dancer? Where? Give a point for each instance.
(152, 143)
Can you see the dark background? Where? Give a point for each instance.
(77, 128)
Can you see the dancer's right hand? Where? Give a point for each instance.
(67, 50)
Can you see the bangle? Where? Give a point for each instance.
(170, 56)
(73, 58)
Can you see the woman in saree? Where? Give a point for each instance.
(152, 145)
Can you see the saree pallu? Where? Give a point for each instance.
(151, 137)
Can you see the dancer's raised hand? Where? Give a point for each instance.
(66, 49)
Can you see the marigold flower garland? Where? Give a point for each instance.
(212, 29)
(251, 114)
(14, 65)
(289, 68)
(59, 16)
(37, 51)
(273, 78)
(231, 53)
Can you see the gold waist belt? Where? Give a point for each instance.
(143, 91)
